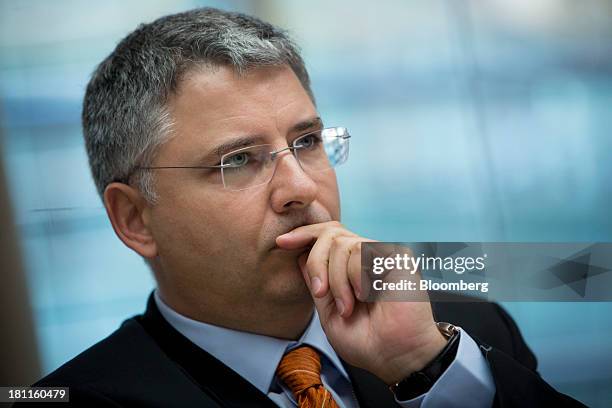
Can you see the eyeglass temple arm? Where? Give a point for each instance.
(219, 166)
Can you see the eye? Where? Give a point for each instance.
(237, 160)
(308, 141)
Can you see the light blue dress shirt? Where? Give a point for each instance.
(467, 382)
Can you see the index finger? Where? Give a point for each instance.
(304, 235)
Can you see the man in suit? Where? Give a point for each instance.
(214, 165)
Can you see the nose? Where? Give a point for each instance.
(291, 188)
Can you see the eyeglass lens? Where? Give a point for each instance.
(315, 152)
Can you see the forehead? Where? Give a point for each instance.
(213, 105)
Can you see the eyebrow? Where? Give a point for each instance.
(252, 140)
(307, 125)
(238, 143)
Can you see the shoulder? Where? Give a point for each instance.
(121, 352)
(126, 368)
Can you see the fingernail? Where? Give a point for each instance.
(316, 285)
(339, 305)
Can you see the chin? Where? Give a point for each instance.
(287, 286)
(283, 280)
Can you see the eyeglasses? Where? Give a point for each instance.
(254, 165)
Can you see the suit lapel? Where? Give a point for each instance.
(228, 388)
(220, 382)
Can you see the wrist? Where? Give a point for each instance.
(400, 367)
(421, 381)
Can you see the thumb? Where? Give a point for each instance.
(324, 304)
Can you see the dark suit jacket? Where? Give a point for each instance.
(147, 363)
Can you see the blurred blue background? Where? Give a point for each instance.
(472, 121)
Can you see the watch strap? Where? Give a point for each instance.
(421, 381)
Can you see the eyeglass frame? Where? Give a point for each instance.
(273, 155)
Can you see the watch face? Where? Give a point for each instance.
(447, 329)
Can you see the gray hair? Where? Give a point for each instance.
(125, 118)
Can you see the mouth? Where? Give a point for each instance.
(290, 253)
(274, 247)
(305, 248)
(285, 226)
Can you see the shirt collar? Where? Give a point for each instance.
(256, 362)
(315, 336)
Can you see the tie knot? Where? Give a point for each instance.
(300, 369)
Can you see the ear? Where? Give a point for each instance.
(129, 214)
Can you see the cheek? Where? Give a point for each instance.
(212, 222)
(239, 220)
(245, 214)
(329, 195)
(182, 230)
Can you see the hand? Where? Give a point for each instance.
(389, 339)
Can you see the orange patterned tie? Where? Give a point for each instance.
(300, 370)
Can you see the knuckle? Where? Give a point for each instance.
(336, 242)
(339, 242)
(345, 240)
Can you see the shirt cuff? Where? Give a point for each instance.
(467, 382)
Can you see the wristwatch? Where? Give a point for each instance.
(421, 381)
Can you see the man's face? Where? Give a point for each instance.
(219, 245)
